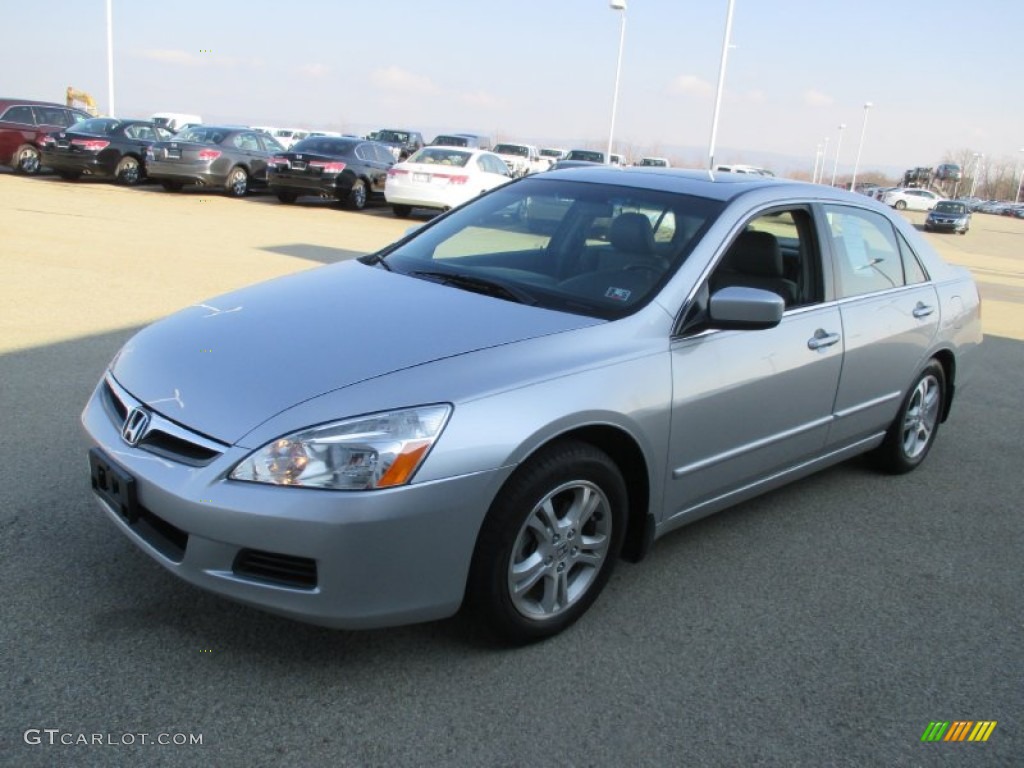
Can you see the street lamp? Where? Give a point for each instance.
(817, 160)
(110, 59)
(839, 143)
(616, 5)
(824, 157)
(977, 170)
(1020, 181)
(721, 85)
(860, 146)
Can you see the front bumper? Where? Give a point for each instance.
(340, 559)
(946, 225)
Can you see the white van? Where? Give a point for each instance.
(175, 121)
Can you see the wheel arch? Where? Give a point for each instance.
(626, 454)
(947, 360)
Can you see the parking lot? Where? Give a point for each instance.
(824, 624)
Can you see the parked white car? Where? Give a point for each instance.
(903, 199)
(442, 177)
(521, 159)
(552, 154)
(175, 121)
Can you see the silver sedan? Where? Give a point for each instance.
(492, 411)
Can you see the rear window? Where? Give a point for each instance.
(441, 156)
(324, 146)
(98, 126)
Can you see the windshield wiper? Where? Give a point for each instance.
(375, 259)
(479, 285)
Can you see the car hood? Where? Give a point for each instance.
(225, 366)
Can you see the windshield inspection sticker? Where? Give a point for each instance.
(618, 294)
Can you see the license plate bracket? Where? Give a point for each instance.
(113, 485)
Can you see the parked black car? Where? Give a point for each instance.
(233, 158)
(351, 171)
(104, 147)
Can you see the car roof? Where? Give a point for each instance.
(711, 184)
(5, 102)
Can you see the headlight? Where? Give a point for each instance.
(381, 450)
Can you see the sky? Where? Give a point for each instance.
(942, 76)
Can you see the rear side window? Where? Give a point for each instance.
(867, 255)
(21, 115)
(53, 116)
(912, 269)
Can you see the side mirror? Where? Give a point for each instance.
(745, 309)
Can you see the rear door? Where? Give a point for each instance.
(890, 315)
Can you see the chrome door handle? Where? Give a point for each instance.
(922, 310)
(822, 339)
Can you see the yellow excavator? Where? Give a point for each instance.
(75, 97)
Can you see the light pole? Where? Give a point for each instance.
(977, 170)
(110, 59)
(839, 144)
(824, 157)
(616, 5)
(721, 85)
(817, 161)
(860, 146)
(1020, 181)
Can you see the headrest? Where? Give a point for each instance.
(756, 253)
(632, 232)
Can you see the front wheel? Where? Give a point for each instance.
(128, 171)
(900, 205)
(912, 433)
(549, 542)
(26, 160)
(237, 182)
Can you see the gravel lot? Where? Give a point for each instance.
(824, 624)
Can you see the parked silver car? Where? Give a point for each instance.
(491, 413)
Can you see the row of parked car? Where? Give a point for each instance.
(389, 165)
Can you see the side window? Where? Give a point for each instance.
(383, 155)
(365, 153)
(247, 142)
(52, 116)
(775, 252)
(912, 269)
(21, 115)
(867, 255)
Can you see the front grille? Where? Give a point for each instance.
(275, 568)
(163, 437)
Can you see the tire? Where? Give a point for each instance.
(128, 171)
(357, 196)
(401, 211)
(900, 205)
(286, 196)
(555, 530)
(912, 433)
(237, 182)
(26, 160)
(171, 186)
(69, 175)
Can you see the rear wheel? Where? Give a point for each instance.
(401, 211)
(912, 432)
(549, 542)
(237, 182)
(26, 160)
(357, 195)
(900, 205)
(128, 171)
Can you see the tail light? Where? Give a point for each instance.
(327, 167)
(47, 141)
(397, 172)
(278, 161)
(91, 145)
(209, 154)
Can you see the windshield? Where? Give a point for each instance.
(593, 249)
(946, 207)
(393, 136)
(512, 149)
